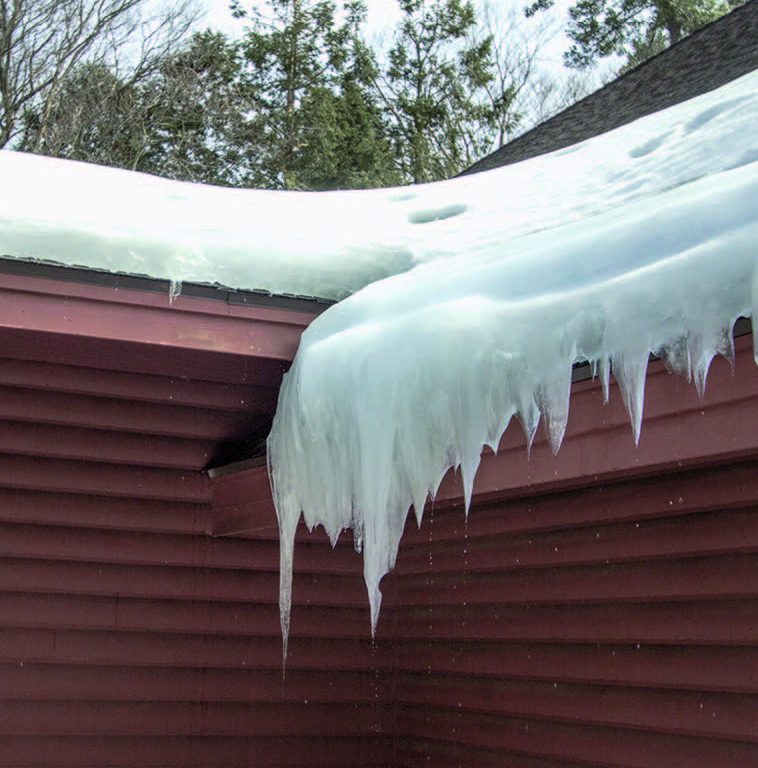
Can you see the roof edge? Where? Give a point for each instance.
(54, 270)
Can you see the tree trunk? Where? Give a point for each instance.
(670, 21)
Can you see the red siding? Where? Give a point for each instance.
(128, 635)
(598, 608)
(610, 624)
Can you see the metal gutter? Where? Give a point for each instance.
(52, 270)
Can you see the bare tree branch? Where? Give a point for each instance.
(518, 45)
(42, 41)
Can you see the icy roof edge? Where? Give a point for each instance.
(638, 241)
(332, 244)
(54, 270)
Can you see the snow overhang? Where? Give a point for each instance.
(682, 431)
(638, 241)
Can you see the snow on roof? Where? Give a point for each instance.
(330, 244)
(641, 240)
(321, 245)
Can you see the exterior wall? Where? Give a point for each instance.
(610, 624)
(128, 635)
(549, 635)
(599, 607)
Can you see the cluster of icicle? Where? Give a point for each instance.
(657, 252)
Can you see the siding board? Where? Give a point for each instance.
(713, 533)
(56, 442)
(51, 682)
(140, 649)
(120, 385)
(136, 548)
(91, 512)
(129, 636)
(192, 751)
(606, 619)
(196, 617)
(706, 668)
(598, 609)
(175, 583)
(695, 713)
(121, 415)
(583, 743)
(722, 576)
(170, 718)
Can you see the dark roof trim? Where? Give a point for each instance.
(52, 270)
(712, 56)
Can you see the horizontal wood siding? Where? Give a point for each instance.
(611, 624)
(597, 609)
(157, 647)
(129, 636)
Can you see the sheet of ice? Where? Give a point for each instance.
(642, 240)
(331, 244)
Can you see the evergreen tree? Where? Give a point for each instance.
(319, 125)
(199, 115)
(190, 120)
(345, 143)
(312, 77)
(299, 102)
(288, 106)
(430, 89)
(635, 29)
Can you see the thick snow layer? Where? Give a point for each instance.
(642, 240)
(331, 244)
(325, 245)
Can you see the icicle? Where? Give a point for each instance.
(700, 366)
(174, 290)
(334, 536)
(726, 344)
(605, 377)
(529, 418)
(374, 601)
(419, 502)
(496, 435)
(715, 338)
(288, 517)
(470, 463)
(287, 529)
(553, 400)
(629, 370)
